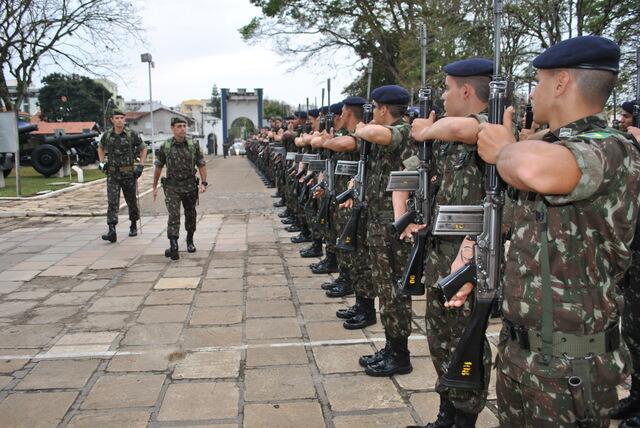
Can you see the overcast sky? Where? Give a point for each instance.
(195, 43)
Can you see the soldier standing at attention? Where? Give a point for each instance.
(560, 356)
(181, 156)
(390, 144)
(459, 179)
(121, 147)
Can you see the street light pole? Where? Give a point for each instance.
(146, 57)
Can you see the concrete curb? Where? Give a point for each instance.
(74, 186)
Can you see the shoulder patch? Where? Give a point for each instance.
(596, 135)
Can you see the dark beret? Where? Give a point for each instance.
(587, 52)
(336, 108)
(354, 101)
(470, 67)
(276, 118)
(324, 109)
(117, 112)
(628, 105)
(391, 94)
(314, 112)
(301, 114)
(175, 120)
(289, 118)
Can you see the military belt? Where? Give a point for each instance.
(175, 182)
(565, 344)
(121, 168)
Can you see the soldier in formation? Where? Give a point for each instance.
(182, 156)
(122, 155)
(569, 220)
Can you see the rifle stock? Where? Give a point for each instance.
(411, 281)
(348, 240)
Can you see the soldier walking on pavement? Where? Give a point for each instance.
(120, 147)
(181, 156)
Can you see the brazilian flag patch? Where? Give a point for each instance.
(597, 135)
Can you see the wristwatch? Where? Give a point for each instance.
(205, 184)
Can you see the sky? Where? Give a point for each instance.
(196, 43)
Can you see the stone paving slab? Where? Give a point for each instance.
(237, 334)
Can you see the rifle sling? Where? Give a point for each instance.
(547, 293)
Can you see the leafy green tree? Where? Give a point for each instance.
(216, 101)
(273, 108)
(72, 98)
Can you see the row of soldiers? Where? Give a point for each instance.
(570, 213)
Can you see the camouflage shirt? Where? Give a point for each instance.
(122, 149)
(589, 233)
(181, 160)
(382, 161)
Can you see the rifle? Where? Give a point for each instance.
(528, 112)
(307, 124)
(328, 182)
(466, 369)
(322, 121)
(418, 182)
(347, 241)
(636, 106)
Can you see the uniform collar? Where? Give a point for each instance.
(572, 129)
(175, 140)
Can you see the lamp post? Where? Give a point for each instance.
(146, 57)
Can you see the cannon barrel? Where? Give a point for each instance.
(70, 137)
(27, 129)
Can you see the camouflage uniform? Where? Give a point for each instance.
(459, 179)
(588, 231)
(387, 255)
(180, 184)
(631, 315)
(122, 150)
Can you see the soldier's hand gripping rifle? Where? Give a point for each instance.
(347, 241)
(466, 369)
(418, 182)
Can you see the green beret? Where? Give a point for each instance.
(175, 120)
(117, 112)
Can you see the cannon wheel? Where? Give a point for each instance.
(46, 159)
(87, 155)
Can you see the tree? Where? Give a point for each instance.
(72, 98)
(216, 101)
(387, 31)
(273, 108)
(81, 34)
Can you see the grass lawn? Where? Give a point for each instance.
(32, 182)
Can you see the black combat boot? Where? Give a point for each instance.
(315, 250)
(133, 229)
(304, 236)
(341, 290)
(365, 316)
(277, 195)
(367, 360)
(190, 247)
(279, 204)
(633, 422)
(288, 220)
(284, 214)
(464, 419)
(395, 361)
(172, 251)
(349, 312)
(342, 278)
(330, 265)
(446, 415)
(111, 234)
(629, 406)
(293, 228)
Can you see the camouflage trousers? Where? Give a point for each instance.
(173, 197)
(444, 329)
(357, 262)
(631, 314)
(387, 258)
(126, 182)
(328, 232)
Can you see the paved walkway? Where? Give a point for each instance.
(238, 334)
